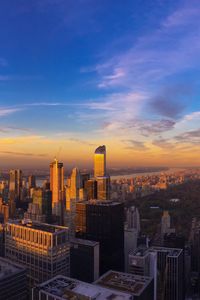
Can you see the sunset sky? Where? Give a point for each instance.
(75, 74)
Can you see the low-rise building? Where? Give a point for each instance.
(140, 287)
(62, 288)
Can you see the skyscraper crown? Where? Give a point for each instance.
(100, 150)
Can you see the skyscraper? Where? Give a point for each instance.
(170, 264)
(15, 184)
(57, 187)
(75, 184)
(31, 181)
(103, 222)
(91, 189)
(165, 222)
(84, 255)
(100, 174)
(143, 262)
(103, 187)
(41, 207)
(100, 161)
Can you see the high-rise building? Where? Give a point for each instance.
(195, 245)
(42, 248)
(100, 174)
(65, 288)
(57, 188)
(140, 287)
(103, 188)
(69, 216)
(15, 184)
(84, 260)
(166, 224)
(75, 184)
(13, 281)
(91, 189)
(46, 185)
(4, 210)
(4, 190)
(170, 266)
(103, 221)
(143, 262)
(41, 207)
(31, 181)
(100, 161)
(84, 178)
(131, 232)
(2, 240)
(133, 218)
(130, 244)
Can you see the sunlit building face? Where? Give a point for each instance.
(56, 185)
(100, 161)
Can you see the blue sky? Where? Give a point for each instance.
(75, 74)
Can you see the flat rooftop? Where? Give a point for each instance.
(124, 282)
(38, 226)
(83, 242)
(173, 252)
(140, 252)
(8, 268)
(67, 288)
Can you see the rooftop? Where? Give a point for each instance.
(68, 288)
(8, 268)
(174, 252)
(83, 242)
(38, 226)
(124, 282)
(140, 251)
(100, 150)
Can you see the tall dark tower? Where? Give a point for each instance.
(103, 222)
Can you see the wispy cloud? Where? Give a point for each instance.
(79, 141)
(6, 129)
(8, 111)
(163, 143)
(192, 137)
(135, 145)
(22, 154)
(163, 52)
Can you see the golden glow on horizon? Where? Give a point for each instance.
(29, 151)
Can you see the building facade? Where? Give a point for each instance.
(57, 188)
(140, 287)
(13, 281)
(84, 260)
(62, 288)
(170, 265)
(103, 221)
(42, 248)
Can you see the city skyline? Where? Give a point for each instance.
(77, 75)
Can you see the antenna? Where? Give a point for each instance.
(58, 153)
